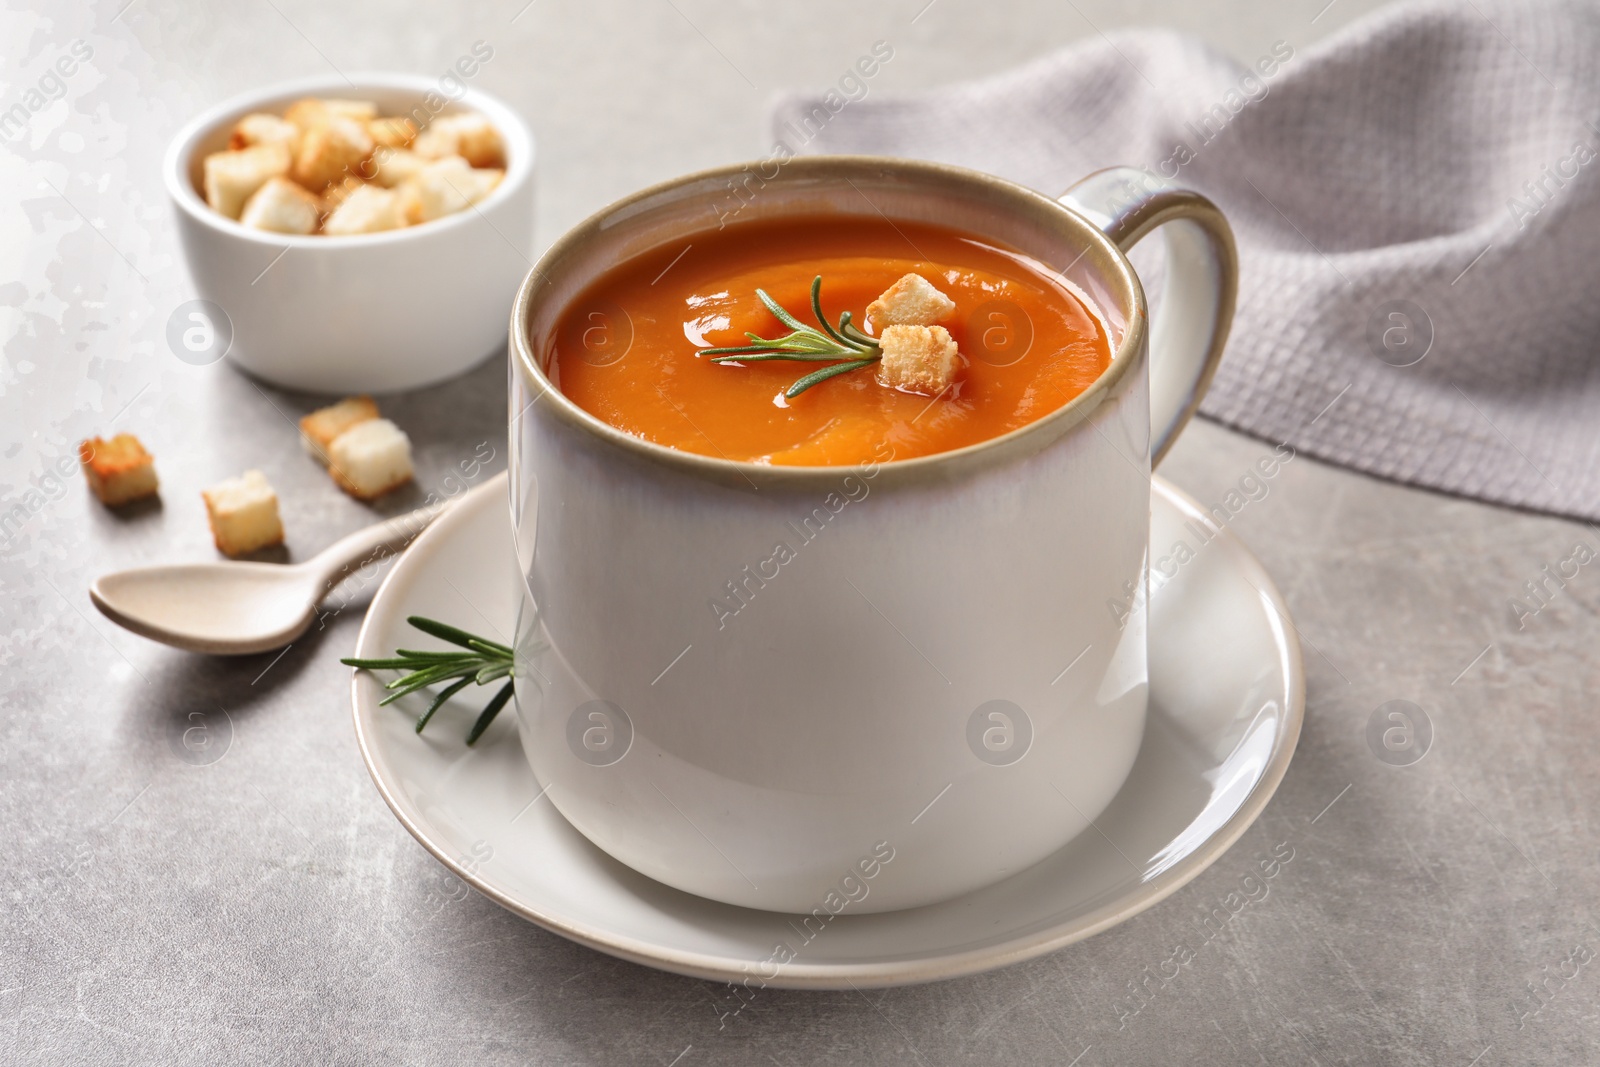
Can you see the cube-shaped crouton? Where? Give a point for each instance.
(467, 134)
(264, 129)
(391, 166)
(917, 359)
(313, 111)
(244, 514)
(330, 152)
(282, 207)
(392, 131)
(231, 177)
(911, 301)
(368, 209)
(445, 187)
(370, 458)
(318, 429)
(118, 470)
(338, 193)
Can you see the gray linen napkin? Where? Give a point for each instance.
(1421, 189)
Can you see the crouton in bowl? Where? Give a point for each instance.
(386, 275)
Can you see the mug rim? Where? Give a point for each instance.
(1103, 254)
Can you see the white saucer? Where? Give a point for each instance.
(1227, 699)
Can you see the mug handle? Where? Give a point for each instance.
(1190, 327)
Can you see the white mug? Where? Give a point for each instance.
(838, 690)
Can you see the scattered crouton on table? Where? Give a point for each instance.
(319, 428)
(243, 512)
(118, 470)
(370, 459)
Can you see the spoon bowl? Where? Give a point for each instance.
(218, 608)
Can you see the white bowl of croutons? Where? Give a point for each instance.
(362, 235)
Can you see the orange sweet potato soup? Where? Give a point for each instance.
(631, 349)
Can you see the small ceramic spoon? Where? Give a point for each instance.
(239, 608)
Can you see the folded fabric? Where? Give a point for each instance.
(1417, 205)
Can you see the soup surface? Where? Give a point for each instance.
(628, 349)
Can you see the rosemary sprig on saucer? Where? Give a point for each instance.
(805, 344)
(484, 661)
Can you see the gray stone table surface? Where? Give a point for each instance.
(265, 907)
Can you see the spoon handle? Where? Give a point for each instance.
(336, 562)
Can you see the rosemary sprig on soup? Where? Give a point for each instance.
(913, 353)
(805, 344)
(958, 340)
